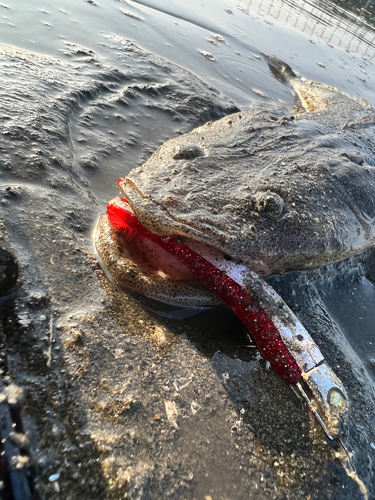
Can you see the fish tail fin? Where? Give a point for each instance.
(310, 96)
(280, 70)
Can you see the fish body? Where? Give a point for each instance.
(274, 189)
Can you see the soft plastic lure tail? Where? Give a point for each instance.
(279, 335)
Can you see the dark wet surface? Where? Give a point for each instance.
(81, 106)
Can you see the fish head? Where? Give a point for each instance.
(272, 191)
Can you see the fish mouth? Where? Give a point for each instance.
(138, 265)
(141, 267)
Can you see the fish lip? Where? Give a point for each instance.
(254, 261)
(131, 278)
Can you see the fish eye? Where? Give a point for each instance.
(269, 204)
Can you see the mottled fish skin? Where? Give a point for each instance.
(276, 190)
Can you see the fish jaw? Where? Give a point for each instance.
(136, 265)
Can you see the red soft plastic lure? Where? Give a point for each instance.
(256, 320)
